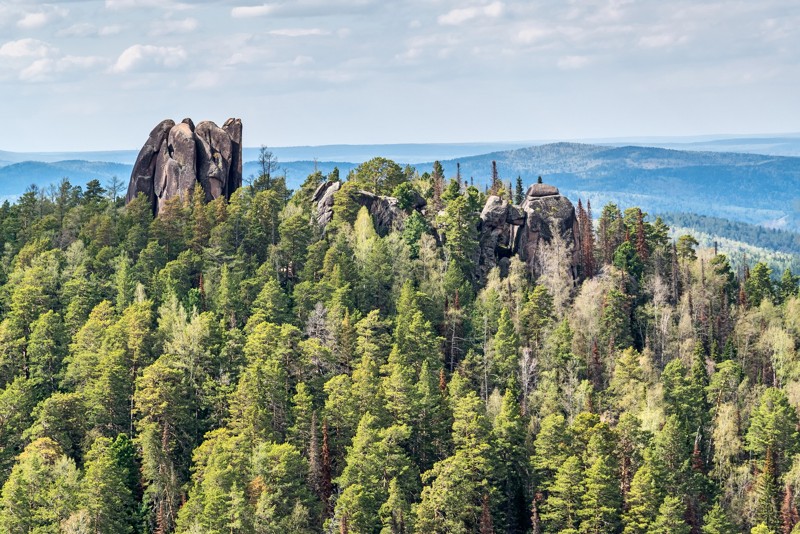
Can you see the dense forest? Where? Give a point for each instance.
(233, 367)
(768, 238)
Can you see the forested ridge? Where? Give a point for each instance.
(232, 367)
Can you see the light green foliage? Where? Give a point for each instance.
(280, 376)
(717, 521)
(642, 500)
(670, 517)
(104, 494)
(378, 175)
(454, 488)
(773, 427)
(40, 492)
(284, 502)
(375, 459)
(561, 509)
(758, 286)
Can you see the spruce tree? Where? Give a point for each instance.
(642, 501)
(670, 517)
(561, 509)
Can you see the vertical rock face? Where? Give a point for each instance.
(176, 157)
(145, 167)
(545, 223)
(386, 212)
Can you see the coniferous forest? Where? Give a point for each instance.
(234, 367)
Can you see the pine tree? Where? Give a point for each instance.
(601, 503)
(717, 521)
(395, 512)
(504, 369)
(670, 517)
(104, 493)
(486, 525)
(519, 193)
(561, 509)
(773, 428)
(510, 467)
(642, 500)
(768, 494)
(451, 500)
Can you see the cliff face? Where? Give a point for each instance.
(176, 157)
(386, 212)
(542, 230)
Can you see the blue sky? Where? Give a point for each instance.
(98, 75)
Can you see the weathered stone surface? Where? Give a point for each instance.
(214, 152)
(145, 166)
(323, 197)
(541, 190)
(183, 151)
(528, 230)
(548, 216)
(176, 157)
(386, 212)
(494, 233)
(234, 129)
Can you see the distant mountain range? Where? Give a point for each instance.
(752, 188)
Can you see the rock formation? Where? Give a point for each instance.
(386, 212)
(176, 157)
(545, 223)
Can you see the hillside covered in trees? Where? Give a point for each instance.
(234, 367)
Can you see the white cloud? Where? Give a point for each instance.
(140, 56)
(25, 48)
(243, 12)
(33, 20)
(130, 4)
(299, 32)
(663, 40)
(533, 35)
(572, 62)
(461, 15)
(38, 19)
(174, 27)
(43, 69)
(112, 29)
(85, 29)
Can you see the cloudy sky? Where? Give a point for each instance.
(99, 74)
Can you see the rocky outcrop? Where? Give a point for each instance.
(323, 197)
(175, 157)
(542, 229)
(386, 212)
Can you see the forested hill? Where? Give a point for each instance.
(234, 368)
(750, 188)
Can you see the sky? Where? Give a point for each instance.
(99, 74)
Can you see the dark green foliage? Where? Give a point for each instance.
(275, 376)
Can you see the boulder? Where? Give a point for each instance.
(176, 157)
(547, 215)
(528, 230)
(541, 190)
(496, 232)
(386, 212)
